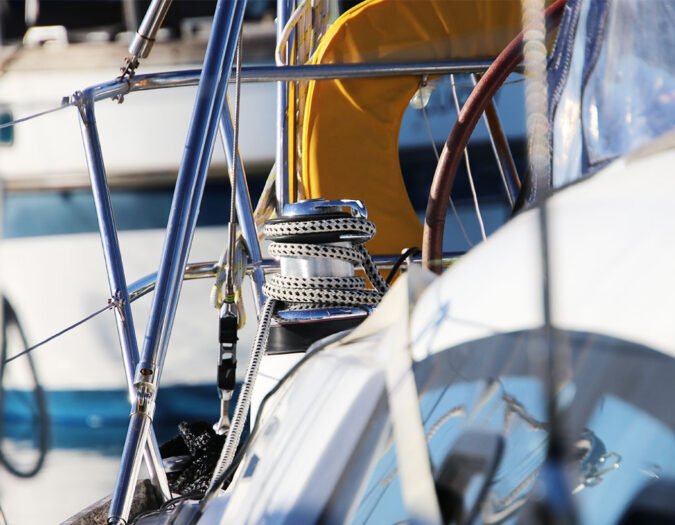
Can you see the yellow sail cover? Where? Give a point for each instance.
(351, 127)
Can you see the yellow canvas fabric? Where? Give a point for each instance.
(351, 127)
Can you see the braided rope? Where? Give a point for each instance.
(304, 292)
(347, 224)
(332, 296)
(292, 249)
(300, 283)
(371, 271)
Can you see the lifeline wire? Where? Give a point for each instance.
(35, 115)
(68, 104)
(58, 334)
(468, 164)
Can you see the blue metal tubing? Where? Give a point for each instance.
(282, 180)
(255, 74)
(261, 74)
(244, 207)
(190, 184)
(218, 60)
(115, 269)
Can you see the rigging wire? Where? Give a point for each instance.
(438, 157)
(65, 104)
(493, 142)
(225, 277)
(479, 216)
(28, 350)
(235, 144)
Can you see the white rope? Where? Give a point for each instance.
(244, 400)
(468, 165)
(346, 225)
(319, 294)
(303, 292)
(293, 20)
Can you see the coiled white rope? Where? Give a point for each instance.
(340, 224)
(302, 292)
